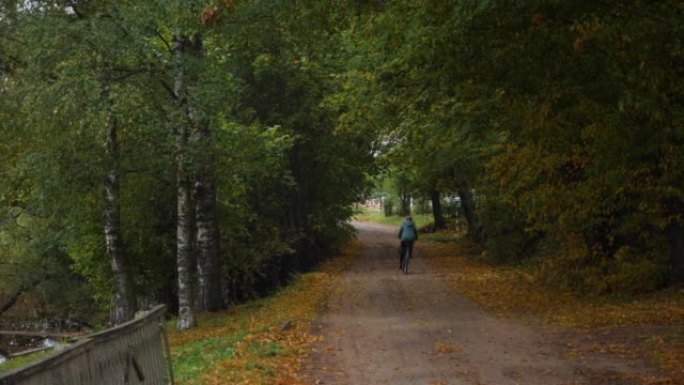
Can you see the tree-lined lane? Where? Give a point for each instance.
(384, 327)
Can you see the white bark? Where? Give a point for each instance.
(184, 257)
(124, 297)
(186, 317)
(207, 238)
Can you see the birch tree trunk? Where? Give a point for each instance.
(209, 295)
(208, 265)
(124, 298)
(184, 257)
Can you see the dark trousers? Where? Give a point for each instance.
(405, 244)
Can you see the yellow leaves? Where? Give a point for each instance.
(210, 16)
(670, 354)
(586, 30)
(271, 335)
(618, 349)
(443, 348)
(228, 4)
(270, 357)
(263, 60)
(581, 42)
(538, 19)
(514, 291)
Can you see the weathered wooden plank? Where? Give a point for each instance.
(30, 351)
(40, 334)
(133, 353)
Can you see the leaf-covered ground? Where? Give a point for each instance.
(268, 341)
(261, 342)
(649, 326)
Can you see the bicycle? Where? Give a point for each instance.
(408, 234)
(405, 259)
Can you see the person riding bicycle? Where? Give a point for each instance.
(408, 234)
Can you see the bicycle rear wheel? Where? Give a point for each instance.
(405, 260)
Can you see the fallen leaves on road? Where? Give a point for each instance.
(441, 347)
(513, 291)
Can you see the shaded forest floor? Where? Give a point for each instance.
(279, 340)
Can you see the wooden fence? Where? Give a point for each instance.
(133, 353)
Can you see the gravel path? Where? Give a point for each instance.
(383, 327)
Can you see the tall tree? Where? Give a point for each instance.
(437, 213)
(125, 304)
(182, 47)
(254, 102)
(207, 233)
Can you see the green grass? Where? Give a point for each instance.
(376, 216)
(443, 237)
(247, 343)
(19, 362)
(193, 359)
(266, 349)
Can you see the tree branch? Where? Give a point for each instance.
(12, 299)
(161, 37)
(169, 89)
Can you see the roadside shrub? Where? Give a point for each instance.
(388, 207)
(628, 271)
(637, 277)
(636, 272)
(505, 238)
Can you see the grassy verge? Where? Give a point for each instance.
(376, 216)
(657, 318)
(19, 362)
(261, 342)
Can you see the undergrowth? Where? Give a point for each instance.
(20, 362)
(376, 216)
(260, 342)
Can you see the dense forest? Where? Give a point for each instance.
(199, 153)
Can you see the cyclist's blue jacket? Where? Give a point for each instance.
(408, 232)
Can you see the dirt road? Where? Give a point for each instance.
(384, 327)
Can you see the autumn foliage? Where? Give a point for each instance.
(261, 342)
(646, 326)
(558, 126)
(210, 15)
